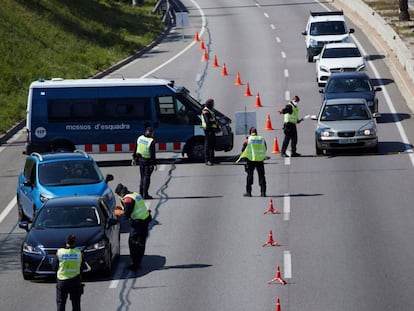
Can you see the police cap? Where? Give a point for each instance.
(121, 189)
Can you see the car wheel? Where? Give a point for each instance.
(319, 151)
(310, 58)
(196, 151)
(108, 265)
(21, 215)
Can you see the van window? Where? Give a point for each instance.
(175, 111)
(108, 109)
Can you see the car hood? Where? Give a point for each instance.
(345, 62)
(56, 237)
(368, 96)
(347, 125)
(88, 189)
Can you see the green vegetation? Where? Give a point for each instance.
(67, 39)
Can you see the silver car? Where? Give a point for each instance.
(345, 123)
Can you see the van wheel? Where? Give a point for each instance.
(195, 151)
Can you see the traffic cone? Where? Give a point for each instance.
(247, 91)
(271, 209)
(238, 80)
(268, 124)
(275, 146)
(258, 103)
(277, 277)
(205, 56)
(196, 37)
(215, 62)
(224, 70)
(270, 241)
(202, 46)
(278, 308)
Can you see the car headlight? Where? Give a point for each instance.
(44, 197)
(313, 42)
(367, 132)
(370, 103)
(32, 249)
(324, 69)
(96, 246)
(326, 132)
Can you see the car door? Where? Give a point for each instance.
(111, 231)
(27, 187)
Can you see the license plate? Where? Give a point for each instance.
(347, 141)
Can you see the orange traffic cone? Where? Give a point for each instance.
(238, 80)
(215, 62)
(247, 91)
(258, 103)
(271, 209)
(196, 37)
(277, 277)
(278, 304)
(270, 241)
(268, 124)
(275, 146)
(205, 56)
(224, 70)
(202, 46)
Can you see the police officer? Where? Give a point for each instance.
(69, 275)
(144, 154)
(210, 126)
(291, 113)
(140, 216)
(254, 149)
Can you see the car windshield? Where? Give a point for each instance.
(327, 28)
(345, 112)
(346, 85)
(67, 216)
(72, 172)
(341, 52)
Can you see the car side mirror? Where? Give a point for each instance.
(24, 225)
(321, 91)
(377, 89)
(314, 117)
(109, 177)
(376, 115)
(304, 33)
(351, 30)
(28, 183)
(316, 57)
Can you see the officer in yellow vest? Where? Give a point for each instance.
(291, 118)
(140, 216)
(144, 154)
(254, 150)
(69, 275)
(210, 126)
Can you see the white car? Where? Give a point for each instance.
(338, 57)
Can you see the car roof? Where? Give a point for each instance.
(74, 200)
(77, 154)
(340, 45)
(345, 101)
(349, 74)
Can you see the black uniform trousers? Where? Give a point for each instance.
(145, 169)
(138, 234)
(209, 145)
(250, 167)
(72, 287)
(291, 135)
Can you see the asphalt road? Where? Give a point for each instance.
(345, 226)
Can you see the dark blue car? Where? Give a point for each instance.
(351, 85)
(93, 222)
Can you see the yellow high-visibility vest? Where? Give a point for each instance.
(140, 210)
(293, 117)
(70, 260)
(212, 119)
(143, 146)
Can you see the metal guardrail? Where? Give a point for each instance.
(174, 12)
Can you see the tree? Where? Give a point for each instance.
(404, 13)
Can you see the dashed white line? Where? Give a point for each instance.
(7, 210)
(286, 73)
(286, 206)
(266, 15)
(287, 261)
(283, 54)
(278, 40)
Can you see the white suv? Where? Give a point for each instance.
(324, 27)
(338, 57)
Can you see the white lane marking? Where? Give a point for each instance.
(287, 95)
(278, 40)
(272, 26)
(286, 207)
(266, 15)
(286, 73)
(161, 167)
(117, 277)
(283, 54)
(7, 210)
(287, 262)
(203, 18)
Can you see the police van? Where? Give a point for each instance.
(107, 115)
